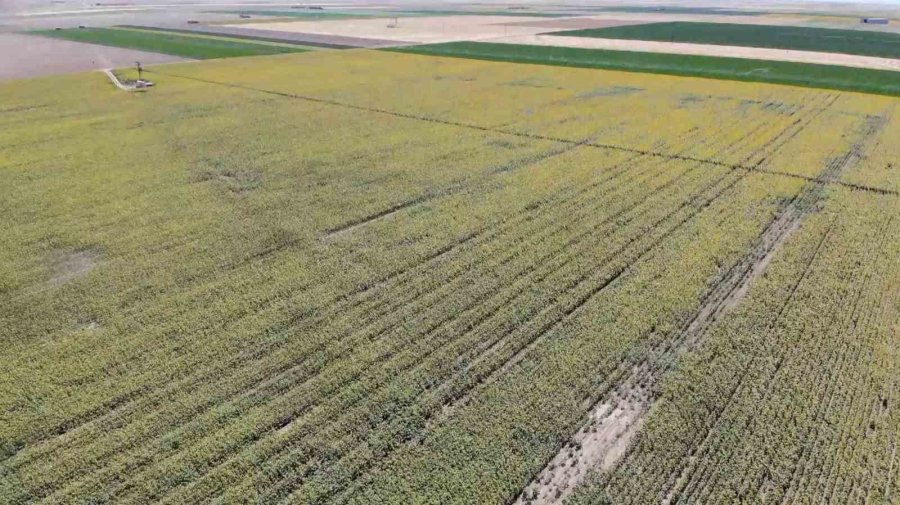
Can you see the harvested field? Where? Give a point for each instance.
(756, 53)
(574, 23)
(411, 29)
(420, 279)
(32, 56)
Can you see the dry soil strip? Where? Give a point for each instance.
(617, 417)
(115, 80)
(753, 53)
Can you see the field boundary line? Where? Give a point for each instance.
(645, 152)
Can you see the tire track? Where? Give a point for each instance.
(610, 427)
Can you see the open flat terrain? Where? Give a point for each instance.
(366, 277)
(725, 51)
(33, 56)
(425, 29)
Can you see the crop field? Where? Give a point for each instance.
(886, 82)
(372, 277)
(195, 46)
(831, 40)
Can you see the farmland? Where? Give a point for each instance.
(884, 45)
(188, 46)
(885, 82)
(379, 277)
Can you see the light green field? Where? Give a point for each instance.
(367, 277)
(177, 44)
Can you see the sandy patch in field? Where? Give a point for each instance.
(68, 265)
(412, 29)
(665, 17)
(608, 434)
(33, 56)
(757, 53)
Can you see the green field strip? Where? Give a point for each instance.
(167, 43)
(251, 38)
(882, 82)
(212, 36)
(829, 40)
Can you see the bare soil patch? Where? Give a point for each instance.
(602, 442)
(426, 29)
(32, 56)
(68, 265)
(579, 23)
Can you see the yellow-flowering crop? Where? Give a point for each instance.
(370, 277)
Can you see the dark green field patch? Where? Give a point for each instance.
(883, 82)
(859, 42)
(200, 48)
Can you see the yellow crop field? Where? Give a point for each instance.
(366, 277)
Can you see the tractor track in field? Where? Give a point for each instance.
(481, 377)
(516, 164)
(363, 290)
(283, 426)
(616, 418)
(440, 324)
(688, 482)
(663, 157)
(850, 324)
(126, 399)
(616, 171)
